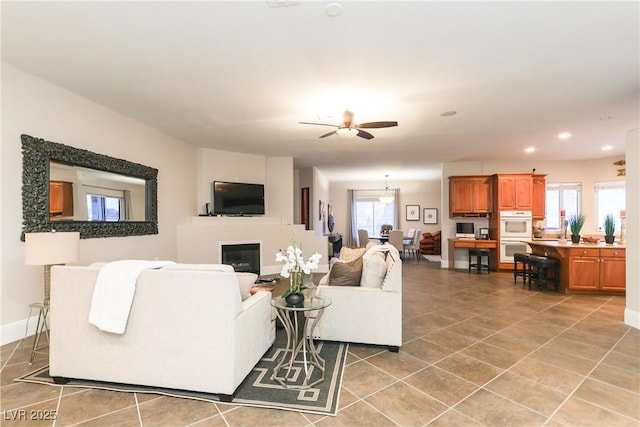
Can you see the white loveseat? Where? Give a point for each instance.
(187, 329)
(370, 313)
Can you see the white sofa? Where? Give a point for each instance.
(187, 329)
(370, 313)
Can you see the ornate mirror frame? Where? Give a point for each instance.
(36, 155)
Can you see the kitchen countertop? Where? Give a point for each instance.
(569, 244)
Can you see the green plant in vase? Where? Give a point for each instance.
(575, 224)
(609, 229)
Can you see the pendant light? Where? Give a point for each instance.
(388, 196)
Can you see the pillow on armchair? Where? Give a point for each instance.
(346, 273)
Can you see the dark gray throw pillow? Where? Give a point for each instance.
(346, 273)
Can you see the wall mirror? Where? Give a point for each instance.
(70, 189)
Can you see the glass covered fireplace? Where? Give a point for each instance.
(243, 257)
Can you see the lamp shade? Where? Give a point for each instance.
(51, 248)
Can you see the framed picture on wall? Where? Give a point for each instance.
(413, 212)
(430, 215)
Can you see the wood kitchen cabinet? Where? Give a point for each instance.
(539, 188)
(60, 198)
(593, 269)
(513, 192)
(470, 196)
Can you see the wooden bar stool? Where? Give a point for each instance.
(478, 265)
(544, 270)
(523, 259)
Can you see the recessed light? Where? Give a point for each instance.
(564, 135)
(606, 118)
(449, 113)
(607, 148)
(333, 9)
(529, 150)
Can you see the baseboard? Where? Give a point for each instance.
(15, 331)
(632, 318)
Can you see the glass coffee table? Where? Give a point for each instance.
(300, 355)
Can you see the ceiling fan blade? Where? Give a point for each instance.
(365, 135)
(318, 124)
(333, 132)
(377, 125)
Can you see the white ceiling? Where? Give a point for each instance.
(240, 75)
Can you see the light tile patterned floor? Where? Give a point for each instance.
(478, 350)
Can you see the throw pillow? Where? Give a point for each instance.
(246, 281)
(374, 270)
(346, 273)
(349, 254)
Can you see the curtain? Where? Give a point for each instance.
(352, 227)
(128, 215)
(396, 211)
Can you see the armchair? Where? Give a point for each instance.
(370, 313)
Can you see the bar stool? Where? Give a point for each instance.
(522, 258)
(544, 270)
(478, 265)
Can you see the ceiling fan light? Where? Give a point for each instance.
(347, 132)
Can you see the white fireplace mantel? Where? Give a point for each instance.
(199, 241)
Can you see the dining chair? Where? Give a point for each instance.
(395, 239)
(407, 241)
(415, 248)
(363, 238)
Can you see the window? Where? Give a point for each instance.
(103, 208)
(610, 199)
(561, 196)
(371, 213)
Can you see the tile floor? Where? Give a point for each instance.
(477, 351)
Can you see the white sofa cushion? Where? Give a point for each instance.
(246, 281)
(374, 270)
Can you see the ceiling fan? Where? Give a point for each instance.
(348, 127)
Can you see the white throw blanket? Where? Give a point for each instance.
(113, 293)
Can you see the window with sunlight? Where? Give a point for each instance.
(611, 198)
(561, 196)
(103, 208)
(371, 213)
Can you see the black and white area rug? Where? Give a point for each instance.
(256, 390)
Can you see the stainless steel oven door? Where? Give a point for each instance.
(510, 247)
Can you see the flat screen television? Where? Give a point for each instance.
(236, 198)
(465, 230)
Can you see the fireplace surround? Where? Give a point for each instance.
(242, 256)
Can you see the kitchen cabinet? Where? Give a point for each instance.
(595, 269)
(513, 192)
(470, 196)
(539, 188)
(60, 198)
(590, 268)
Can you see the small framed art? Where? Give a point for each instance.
(430, 215)
(413, 212)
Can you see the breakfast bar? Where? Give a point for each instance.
(586, 268)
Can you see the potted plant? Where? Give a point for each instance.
(575, 224)
(294, 266)
(609, 229)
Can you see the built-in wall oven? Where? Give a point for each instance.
(509, 247)
(515, 226)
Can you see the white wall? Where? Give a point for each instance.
(632, 311)
(276, 173)
(587, 172)
(320, 194)
(426, 194)
(40, 109)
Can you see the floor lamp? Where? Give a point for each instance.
(47, 249)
